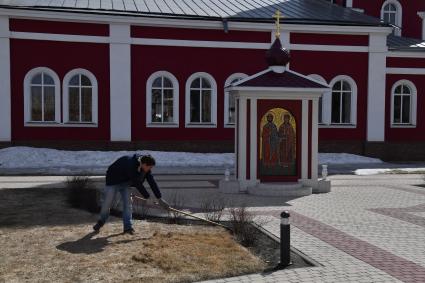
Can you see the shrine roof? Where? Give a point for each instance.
(294, 11)
(287, 79)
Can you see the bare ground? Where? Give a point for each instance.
(43, 240)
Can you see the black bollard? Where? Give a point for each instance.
(285, 240)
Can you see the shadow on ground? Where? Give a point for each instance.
(37, 206)
(89, 244)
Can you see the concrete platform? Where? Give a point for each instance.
(280, 190)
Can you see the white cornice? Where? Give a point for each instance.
(406, 71)
(402, 54)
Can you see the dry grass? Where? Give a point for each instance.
(188, 257)
(42, 239)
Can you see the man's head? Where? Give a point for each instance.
(286, 118)
(146, 163)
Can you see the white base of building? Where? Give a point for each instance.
(296, 189)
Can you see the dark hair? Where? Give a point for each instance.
(147, 159)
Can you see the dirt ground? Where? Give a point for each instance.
(43, 240)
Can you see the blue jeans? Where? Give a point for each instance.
(109, 196)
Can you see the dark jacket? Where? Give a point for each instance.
(125, 169)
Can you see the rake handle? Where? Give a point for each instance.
(189, 214)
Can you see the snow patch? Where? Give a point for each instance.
(30, 157)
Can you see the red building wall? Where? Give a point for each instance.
(61, 57)
(412, 23)
(405, 134)
(183, 62)
(329, 65)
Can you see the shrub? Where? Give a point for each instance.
(241, 224)
(82, 193)
(177, 201)
(213, 208)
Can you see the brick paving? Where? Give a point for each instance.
(368, 229)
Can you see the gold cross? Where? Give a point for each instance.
(277, 16)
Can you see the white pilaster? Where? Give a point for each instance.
(253, 140)
(349, 3)
(304, 140)
(120, 82)
(242, 140)
(314, 139)
(376, 87)
(422, 16)
(5, 91)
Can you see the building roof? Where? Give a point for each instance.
(294, 11)
(399, 43)
(287, 79)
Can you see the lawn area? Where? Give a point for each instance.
(44, 240)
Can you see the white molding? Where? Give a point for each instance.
(253, 140)
(326, 100)
(413, 104)
(349, 3)
(65, 98)
(183, 43)
(175, 82)
(304, 139)
(406, 71)
(226, 97)
(329, 48)
(134, 20)
(213, 123)
(27, 93)
(402, 54)
(314, 139)
(242, 139)
(120, 83)
(58, 37)
(399, 14)
(354, 90)
(5, 87)
(199, 43)
(60, 125)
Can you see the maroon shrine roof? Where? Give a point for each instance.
(278, 75)
(287, 79)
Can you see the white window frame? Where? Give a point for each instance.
(175, 82)
(65, 103)
(326, 101)
(226, 98)
(413, 104)
(189, 81)
(399, 15)
(27, 99)
(353, 110)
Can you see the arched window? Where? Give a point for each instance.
(391, 13)
(80, 97)
(403, 103)
(343, 101)
(201, 100)
(41, 96)
(229, 100)
(162, 100)
(324, 102)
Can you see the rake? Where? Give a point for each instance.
(187, 214)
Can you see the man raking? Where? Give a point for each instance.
(126, 172)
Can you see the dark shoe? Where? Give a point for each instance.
(98, 225)
(129, 231)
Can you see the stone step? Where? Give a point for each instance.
(280, 190)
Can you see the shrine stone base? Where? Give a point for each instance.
(296, 189)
